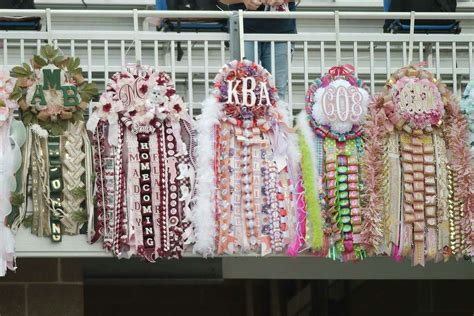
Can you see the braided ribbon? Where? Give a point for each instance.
(341, 70)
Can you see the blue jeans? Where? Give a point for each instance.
(264, 54)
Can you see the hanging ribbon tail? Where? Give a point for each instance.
(342, 70)
(148, 254)
(423, 63)
(114, 133)
(299, 241)
(92, 122)
(280, 146)
(180, 146)
(7, 171)
(7, 251)
(94, 236)
(396, 253)
(185, 116)
(188, 233)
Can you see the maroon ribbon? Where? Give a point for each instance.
(341, 70)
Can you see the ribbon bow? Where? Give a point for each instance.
(342, 70)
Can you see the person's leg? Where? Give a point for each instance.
(265, 55)
(280, 69)
(249, 51)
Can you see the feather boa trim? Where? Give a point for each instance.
(310, 180)
(294, 159)
(457, 140)
(7, 172)
(203, 210)
(373, 177)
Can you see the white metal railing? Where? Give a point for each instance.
(328, 38)
(447, 55)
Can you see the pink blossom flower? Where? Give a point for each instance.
(107, 108)
(4, 115)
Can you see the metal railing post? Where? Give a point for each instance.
(138, 42)
(411, 36)
(234, 36)
(338, 37)
(49, 26)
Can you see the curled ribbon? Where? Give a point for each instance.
(423, 63)
(342, 70)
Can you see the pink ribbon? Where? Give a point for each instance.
(299, 241)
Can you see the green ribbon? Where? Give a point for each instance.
(55, 186)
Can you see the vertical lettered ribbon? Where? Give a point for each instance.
(55, 187)
(146, 197)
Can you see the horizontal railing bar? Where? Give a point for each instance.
(246, 14)
(168, 36)
(297, 71)
(115, 35)
(148, 44)
(120, 13)
(361, 5)
(359, 15)
(359, 37)
(184, 14)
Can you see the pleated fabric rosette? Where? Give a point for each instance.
(12, 136)
(331, 142)
(144, 143)
(57, 161)
(467, 106)
(417, 171)
(247, 170)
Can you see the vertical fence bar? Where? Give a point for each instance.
(411, 36)
(173, 60)
(438, 62)
(404, 53)
(290, 82)
(255, 52)
(372, 75)
(338, 41)
(234, 36)
(49, 26)
(206, 67)
(420, 52)
(73, 48)
(272, 58)
(388, 61)
(138, 42)
(323, 66)
(471, 62)
(454, 67)
(190, 79)
(89, 61)
(122, 53)
(241, 34)
(306, 65)
(106, 61)
(22, 50)
(5, 52)
(355, 58)
(222, 53)
(155, 54)
(429, 54)
(38, 47)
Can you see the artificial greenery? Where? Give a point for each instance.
(26, 77)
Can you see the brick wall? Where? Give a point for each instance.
(43, 287)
